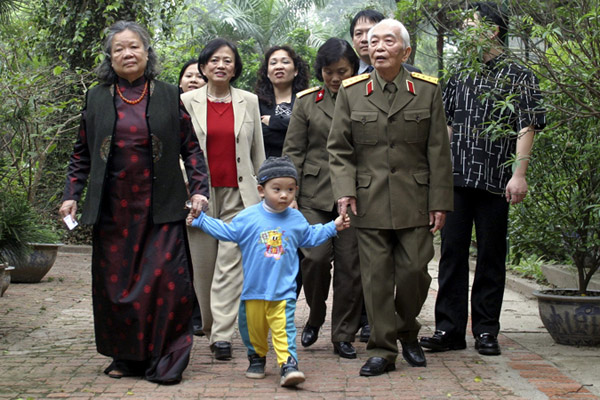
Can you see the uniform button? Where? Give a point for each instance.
(241, 178)
(391, 145)
(392, 119)
(393, 170)
(238, 159)
(237, 140)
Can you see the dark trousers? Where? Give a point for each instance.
(347, 288)
(489, 212)
(393, 265)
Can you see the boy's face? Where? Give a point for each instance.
(278, 192)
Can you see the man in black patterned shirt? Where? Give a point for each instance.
(489, 169)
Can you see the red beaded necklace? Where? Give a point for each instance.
(133, 101)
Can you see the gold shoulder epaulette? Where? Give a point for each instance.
(307, 91)
(425, 78)
(351, 81)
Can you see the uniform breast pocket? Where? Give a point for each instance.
(417, 125)
(364, 127)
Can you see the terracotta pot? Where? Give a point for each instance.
(570, 319)
(37, 264)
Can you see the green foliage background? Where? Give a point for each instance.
(48, 50)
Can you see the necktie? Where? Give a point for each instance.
(390, 88)
(369, 69)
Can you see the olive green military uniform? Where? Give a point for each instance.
(306, 145)
(395, 160)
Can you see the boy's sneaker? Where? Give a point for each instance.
(256, 370)
(290, 376)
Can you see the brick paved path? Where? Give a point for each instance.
(48, 352)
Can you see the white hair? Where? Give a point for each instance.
(395, 24)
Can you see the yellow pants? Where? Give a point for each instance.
(255, 319)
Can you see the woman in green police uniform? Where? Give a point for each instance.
(306, 145)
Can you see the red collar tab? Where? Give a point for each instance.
(410, 86)
(320, 95)
(369, 88)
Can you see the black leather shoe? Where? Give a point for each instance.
(221, 350)
(487, 344)
(376, 366)
(413, 353)
(441, 341)
(310, 334)
(365, 333)
(344, 349)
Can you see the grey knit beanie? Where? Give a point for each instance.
(276, 167)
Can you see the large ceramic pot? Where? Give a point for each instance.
(570, 318)
(37, 264)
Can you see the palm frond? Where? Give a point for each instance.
(9, 6)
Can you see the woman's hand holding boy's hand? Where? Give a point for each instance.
(189, 219)
(342, 222)
(197, 204)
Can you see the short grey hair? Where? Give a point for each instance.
(105, 71)
(393, 23)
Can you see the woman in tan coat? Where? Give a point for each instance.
(227, 123)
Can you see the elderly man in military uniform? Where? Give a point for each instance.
(389, 158)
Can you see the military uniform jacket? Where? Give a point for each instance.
(306, 145)
(394, 159)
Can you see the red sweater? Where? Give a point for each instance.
(220, 144)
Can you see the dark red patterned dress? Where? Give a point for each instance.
(141, 283)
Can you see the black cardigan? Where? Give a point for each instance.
(274, 134)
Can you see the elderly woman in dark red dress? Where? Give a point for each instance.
(132, 134)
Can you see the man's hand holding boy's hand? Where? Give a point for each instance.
(342, 222)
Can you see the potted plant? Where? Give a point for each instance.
(560, 219)
(567, 191)
(19, 230)
(40, 259)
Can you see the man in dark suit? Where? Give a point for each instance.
(359, 28)
(389, 158)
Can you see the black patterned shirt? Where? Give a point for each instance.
(479, 107)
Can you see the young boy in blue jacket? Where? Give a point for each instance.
(269, 234)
